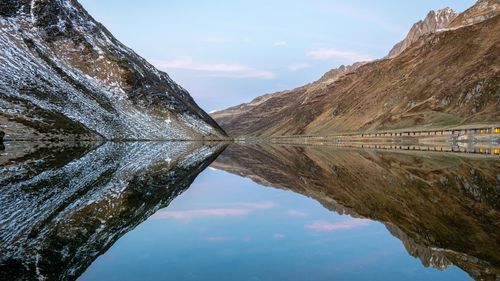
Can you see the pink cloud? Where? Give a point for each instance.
(191, 214)
(256, 205)
(338, 54)
(232, 70)
(247, 205)
(322, 226)
(189, 64)
(240, 209)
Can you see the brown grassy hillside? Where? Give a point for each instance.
(447, 78)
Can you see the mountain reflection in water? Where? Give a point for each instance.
(444, 207)
(61, 207)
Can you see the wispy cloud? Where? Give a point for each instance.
(191, 214)
(256, 205)
(217, 238)
(238, 209)
(323, 226)
(189, 64)
(298, 66)
(338, 54)
(295, 213)
(251, 73)
(234, 70)
(279, 236)
(279, 43)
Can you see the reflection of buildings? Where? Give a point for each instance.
(471, 135)
(60, 213)
(399, 133)
(444, 207)
(489, 148)
(457, 148)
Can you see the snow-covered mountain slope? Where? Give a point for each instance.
(59, 213)
(64, 76)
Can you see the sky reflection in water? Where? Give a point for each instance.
(225, 227)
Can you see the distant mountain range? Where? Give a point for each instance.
(63, 76)
(446, 72)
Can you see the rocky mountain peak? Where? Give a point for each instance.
(446, 19)
(434, 21)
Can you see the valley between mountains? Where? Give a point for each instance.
(66, 77)
(380, 170)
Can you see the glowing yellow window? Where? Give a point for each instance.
(496, 151)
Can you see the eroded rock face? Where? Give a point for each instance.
(481, 11)
(433, 22)
(444, 19)
(62, 207)
(64, 76)
(443, 207)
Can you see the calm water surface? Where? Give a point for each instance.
(184, 211)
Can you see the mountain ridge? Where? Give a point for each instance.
(59, 65)
(435, 20)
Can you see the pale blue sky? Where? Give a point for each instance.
(227, 52)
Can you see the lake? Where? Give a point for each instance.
(219, 211)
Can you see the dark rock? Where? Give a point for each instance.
(9, 8)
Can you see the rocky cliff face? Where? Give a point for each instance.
(445, 19)
(64, 76)
(483, 10)
(449, 77)
(433, 22)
